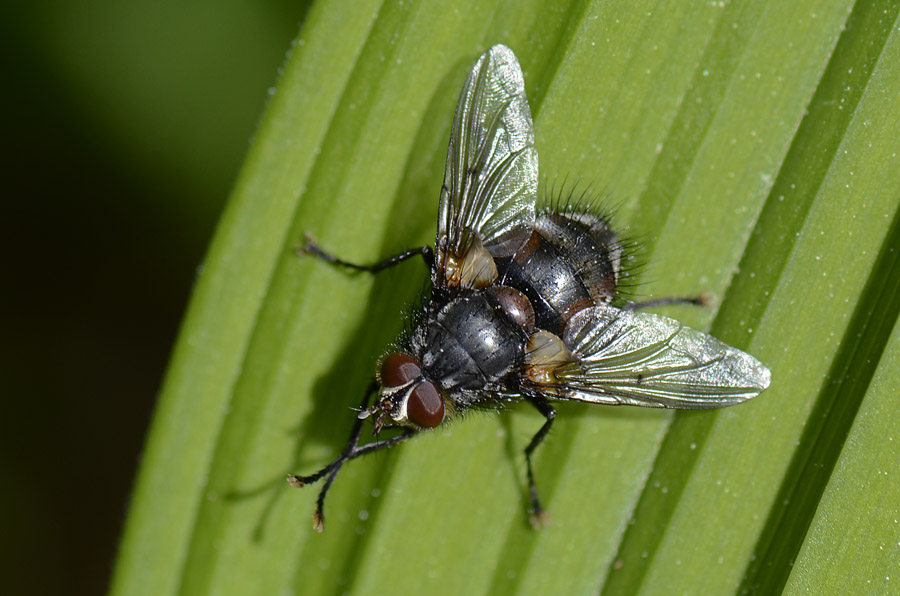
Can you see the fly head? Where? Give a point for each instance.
(406, 398)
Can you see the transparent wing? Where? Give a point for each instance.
(490, 182)
(643, 359)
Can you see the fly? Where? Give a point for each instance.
(521, 304)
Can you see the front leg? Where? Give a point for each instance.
(538, 516)
(352, 450)
(332, 469)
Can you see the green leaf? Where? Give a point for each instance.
(751, 148)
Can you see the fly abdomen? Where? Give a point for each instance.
(471, 342)
(571, 262)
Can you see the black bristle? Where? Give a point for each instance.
(580, 198)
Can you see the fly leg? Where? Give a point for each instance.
(703, 299)
(351, 451)
(538, 517)
(311, 248)
(332, 469)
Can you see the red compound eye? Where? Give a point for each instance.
(425, 406)
(398, 369)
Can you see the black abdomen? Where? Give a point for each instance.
(571, 262)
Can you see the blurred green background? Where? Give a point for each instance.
(125, 126)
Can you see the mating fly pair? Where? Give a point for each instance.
(520, 305)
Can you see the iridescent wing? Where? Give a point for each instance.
(490, 182)
(642, 359)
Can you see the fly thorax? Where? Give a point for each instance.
(476, 339)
